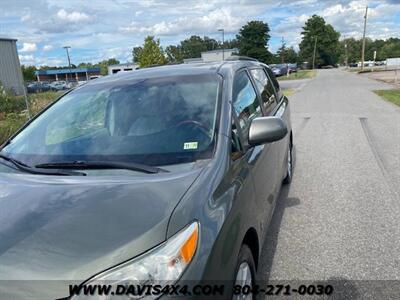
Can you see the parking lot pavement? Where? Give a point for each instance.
(340, 217)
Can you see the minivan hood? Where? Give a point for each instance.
(70, 228)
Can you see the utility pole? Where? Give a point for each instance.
(346, 54)
(69, 60)
(363, 43)
(315, 50)
(223, 43)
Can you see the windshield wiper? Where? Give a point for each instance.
(28, 169)
(103, 165)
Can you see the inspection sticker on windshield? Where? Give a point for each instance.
(190, 146)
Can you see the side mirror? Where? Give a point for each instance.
(266, 130)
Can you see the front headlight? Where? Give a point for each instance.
(161, 266)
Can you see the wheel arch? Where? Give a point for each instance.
(251, 240)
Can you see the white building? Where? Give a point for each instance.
(393, 62)
(114, 69)
(214, 55)
(218, 55)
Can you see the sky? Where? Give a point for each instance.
(103, 29)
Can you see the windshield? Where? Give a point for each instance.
(155, 121)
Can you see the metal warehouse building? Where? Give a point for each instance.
(10, 68)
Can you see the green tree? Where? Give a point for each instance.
(193, 46)
(390, 49)
(253, 41)
(211, 44)
(353, 50)
(291, 55)
(231, 44)
(28, 72)
(384, 49)
(281, 53)
(85, 65)
(152, 53)
(328, 48)
(174, 53)
(135, 53)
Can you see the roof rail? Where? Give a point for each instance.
(240, 57)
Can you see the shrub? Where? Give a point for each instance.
(10, 103)
(10, 125)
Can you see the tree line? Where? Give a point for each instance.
(384, 49)
(253, 40)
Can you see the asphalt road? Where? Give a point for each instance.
(339, 220)
(293, 84)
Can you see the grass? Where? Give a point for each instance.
(288, 92)
(39, 101)
(300, 74)
(13, 112)
(390, 95)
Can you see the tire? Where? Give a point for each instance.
(289, 165)
(245, 272)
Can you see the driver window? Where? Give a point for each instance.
(245, 102)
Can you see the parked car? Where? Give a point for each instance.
(165, 175)
(292, 68)
(280, 69)
(36, 87)
(58, 85)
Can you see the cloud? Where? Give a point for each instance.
(26, 17)
(47, 47)
(100, 29)
(28, 47)
(27, 59)
(219, 18)
(73, 17)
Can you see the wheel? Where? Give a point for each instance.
(245, 273)
(289, 165)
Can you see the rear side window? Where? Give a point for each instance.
(264, 86)
(245, 102)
